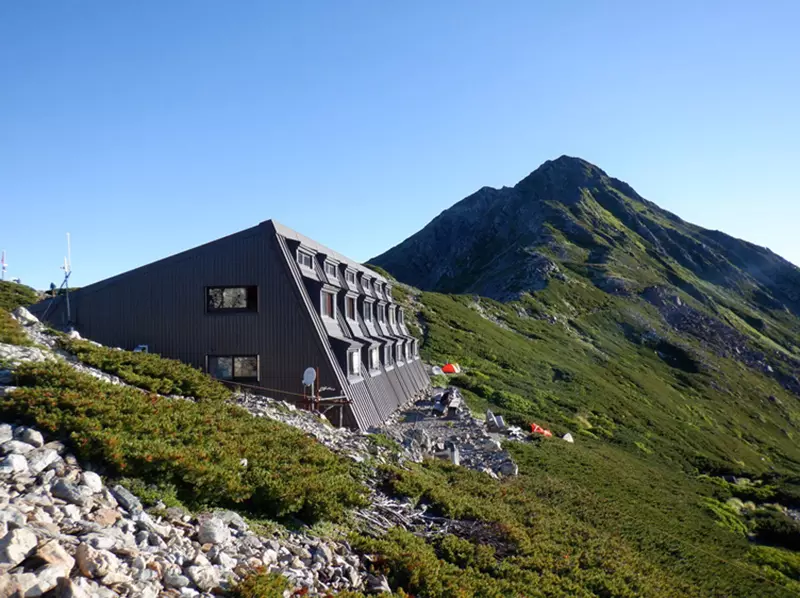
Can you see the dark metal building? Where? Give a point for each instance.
(257, 308)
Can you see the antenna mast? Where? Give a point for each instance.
(67, 267)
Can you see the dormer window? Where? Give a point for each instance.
(416, 348)
(365, 284)
(401, 317)
(353, 363)
(374, 358)
(387, 355)
(388, 290)
(350, 308)
(381, 314)
(350, 277)
(368, 312)
(391, 316)
(304, 259)
(328, 304)
(330, 269)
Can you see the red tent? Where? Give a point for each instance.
(537, 429)
(450, 368)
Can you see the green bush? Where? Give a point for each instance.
(777, 529)
(11, 331)
(195, 447)
(149, 371)
(13, 295)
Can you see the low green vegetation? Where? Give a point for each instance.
(148, 371)
(271, 585)
(14, 295)
(11, 332)
(197, 449)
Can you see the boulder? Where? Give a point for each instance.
(25, 317)
(52, 553)
(568, 437)
(175, 580)
(29, 436)
(213, 531)
(95, 563)
(69, 492)
(13, 464)
(41, 459)
(204, 577)
(126, 499)
(69, 589)
(16, 446)
(16, 546)
(46, 579)
(6, 433)
(92, 481)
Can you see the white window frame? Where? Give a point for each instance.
(332, 267)
(374, 358)
(367, 311)
(350, 277)
(391, 316)
(354, 363)
(365, 284)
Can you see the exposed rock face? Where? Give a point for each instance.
(496, 242)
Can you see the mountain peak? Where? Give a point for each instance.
(564, 171)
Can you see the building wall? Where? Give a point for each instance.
(163, 305)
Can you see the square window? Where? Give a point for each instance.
(353, 363)
(350, 277)
(328, 304)
(350, 308)
(232, 298)
(330, 269)
(234, 367)
(304, 259)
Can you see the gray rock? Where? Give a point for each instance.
(30, 436)
(71, 589)
(13, 464)
(225, 561)
(323, 554)
(17, 584)
(126, 499)
(69, 492)
(92, 481)
(25, 317)
(269, 557)
(15, 446)
(377, 585)
(16, 546)
(41, 459)
(46, 579)
(213, 531)
(177, 581)
(205, 578)
(509, 468)
(233, 519)
(6, 433)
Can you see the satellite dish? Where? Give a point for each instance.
(309, 376)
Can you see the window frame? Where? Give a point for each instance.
(392, 317)
(309, 255)
(366, 285)
(332, 267)
(252, 302)
(350, 276)
(235, 379)
(381, 313)
(388, 357)
(367, 309)
(350, 314)
(323, 302)
(354, 363)
(374, 364)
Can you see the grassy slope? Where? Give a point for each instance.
(644, 429)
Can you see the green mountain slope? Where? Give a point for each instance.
(669, 352)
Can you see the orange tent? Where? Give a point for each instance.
(537, 429)
(450, 368)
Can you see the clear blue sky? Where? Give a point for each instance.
(145, 128)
